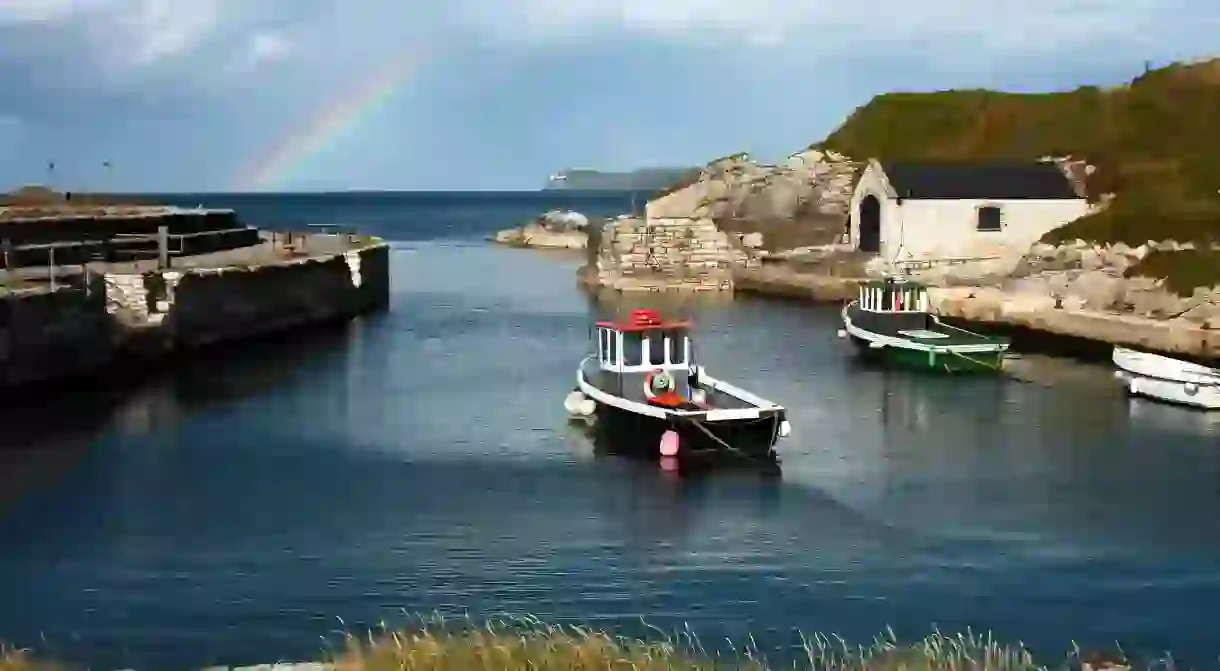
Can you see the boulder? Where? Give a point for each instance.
(1095, 290)
(811, 186)
(563, 221)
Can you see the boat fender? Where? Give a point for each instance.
(842, 333)
(574, 403)
(1191, 388)
(785, 429)
(669, 443)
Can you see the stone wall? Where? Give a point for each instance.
(225, 304)
(47, 335)
(670, 253)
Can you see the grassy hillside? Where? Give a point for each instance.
(1155, 141)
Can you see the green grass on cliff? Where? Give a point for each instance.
(527, 643)
(1155, 141)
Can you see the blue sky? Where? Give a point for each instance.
(183, 95)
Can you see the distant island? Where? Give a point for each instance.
(643, 179)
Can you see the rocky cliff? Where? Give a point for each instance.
(803, 201)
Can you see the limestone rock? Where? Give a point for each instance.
(562, 221)
(809, 184)
(1096, 290)
(536, 235)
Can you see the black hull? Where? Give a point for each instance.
(632, 434)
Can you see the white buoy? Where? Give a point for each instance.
(842, 333)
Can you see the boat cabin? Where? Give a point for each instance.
(894, 295)
(644, 342)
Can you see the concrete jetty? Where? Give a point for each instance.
(81, 293)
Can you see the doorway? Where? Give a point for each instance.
(869, 217)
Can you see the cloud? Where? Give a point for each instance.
(531, 78)
(995, 29)
(121, 33)
(164, 28)
(266, 47)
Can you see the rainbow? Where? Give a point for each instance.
(324, 128)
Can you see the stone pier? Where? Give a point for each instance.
(105, 314)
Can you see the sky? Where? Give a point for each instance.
(274, 95)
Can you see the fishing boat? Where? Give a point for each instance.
(643, 392)
(890, 321)
(1167, 379)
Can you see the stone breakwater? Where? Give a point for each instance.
(1077, 289)
(113, 313)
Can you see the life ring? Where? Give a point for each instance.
(660, 388)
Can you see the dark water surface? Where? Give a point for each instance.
(419, 460)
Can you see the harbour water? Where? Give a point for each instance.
(233, 510)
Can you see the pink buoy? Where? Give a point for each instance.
(669, 443)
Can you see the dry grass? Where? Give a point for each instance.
(513, 644)
(12, 659)
(528, 643)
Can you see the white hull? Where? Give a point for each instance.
(1167, 379)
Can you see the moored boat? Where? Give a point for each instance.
(645, 394)
(1167, 379)
(890, 321)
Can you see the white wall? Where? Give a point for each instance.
(871, 182)
(929, 229)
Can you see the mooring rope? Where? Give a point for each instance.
(699, 425)
(999, 369)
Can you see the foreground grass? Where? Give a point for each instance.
(20, 660)
(532, 644)
(528, 643)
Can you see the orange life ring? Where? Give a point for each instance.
(668, 397)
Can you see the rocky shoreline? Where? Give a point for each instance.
(1077, 289)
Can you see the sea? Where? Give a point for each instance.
(254, 504)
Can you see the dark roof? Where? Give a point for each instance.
(970, 181)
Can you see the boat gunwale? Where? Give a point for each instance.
(761, 407)
(990, 344)
(1209, 377)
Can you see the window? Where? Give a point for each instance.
(989, 218)
(656, 348)
(604, 337)
(675, 344)
(612, 341)
(633, 349)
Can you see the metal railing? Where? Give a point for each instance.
(54, 270)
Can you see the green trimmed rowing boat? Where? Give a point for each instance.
(890, 321)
